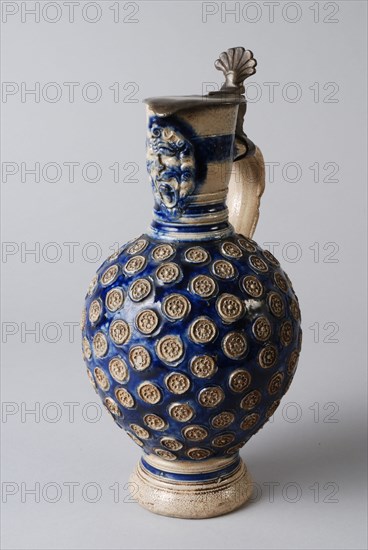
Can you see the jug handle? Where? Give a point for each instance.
(246, 186)
(247, 181)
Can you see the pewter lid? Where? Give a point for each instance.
(236, 64)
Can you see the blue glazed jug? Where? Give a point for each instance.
(191, 332)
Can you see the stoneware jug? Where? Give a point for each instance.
(191, 332)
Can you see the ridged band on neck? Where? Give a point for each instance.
(206, 217)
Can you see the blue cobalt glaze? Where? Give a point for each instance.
(162, 228)
(217, 322)
(204, 476)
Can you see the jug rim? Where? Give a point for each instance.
(170, 104)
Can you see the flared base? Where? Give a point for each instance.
(191, 490)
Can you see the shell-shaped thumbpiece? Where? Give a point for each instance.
(237, 64)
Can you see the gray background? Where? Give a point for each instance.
(313, 450)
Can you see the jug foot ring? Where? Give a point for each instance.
(214, 488)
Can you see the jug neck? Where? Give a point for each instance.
(206, 217)
(189, 161)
